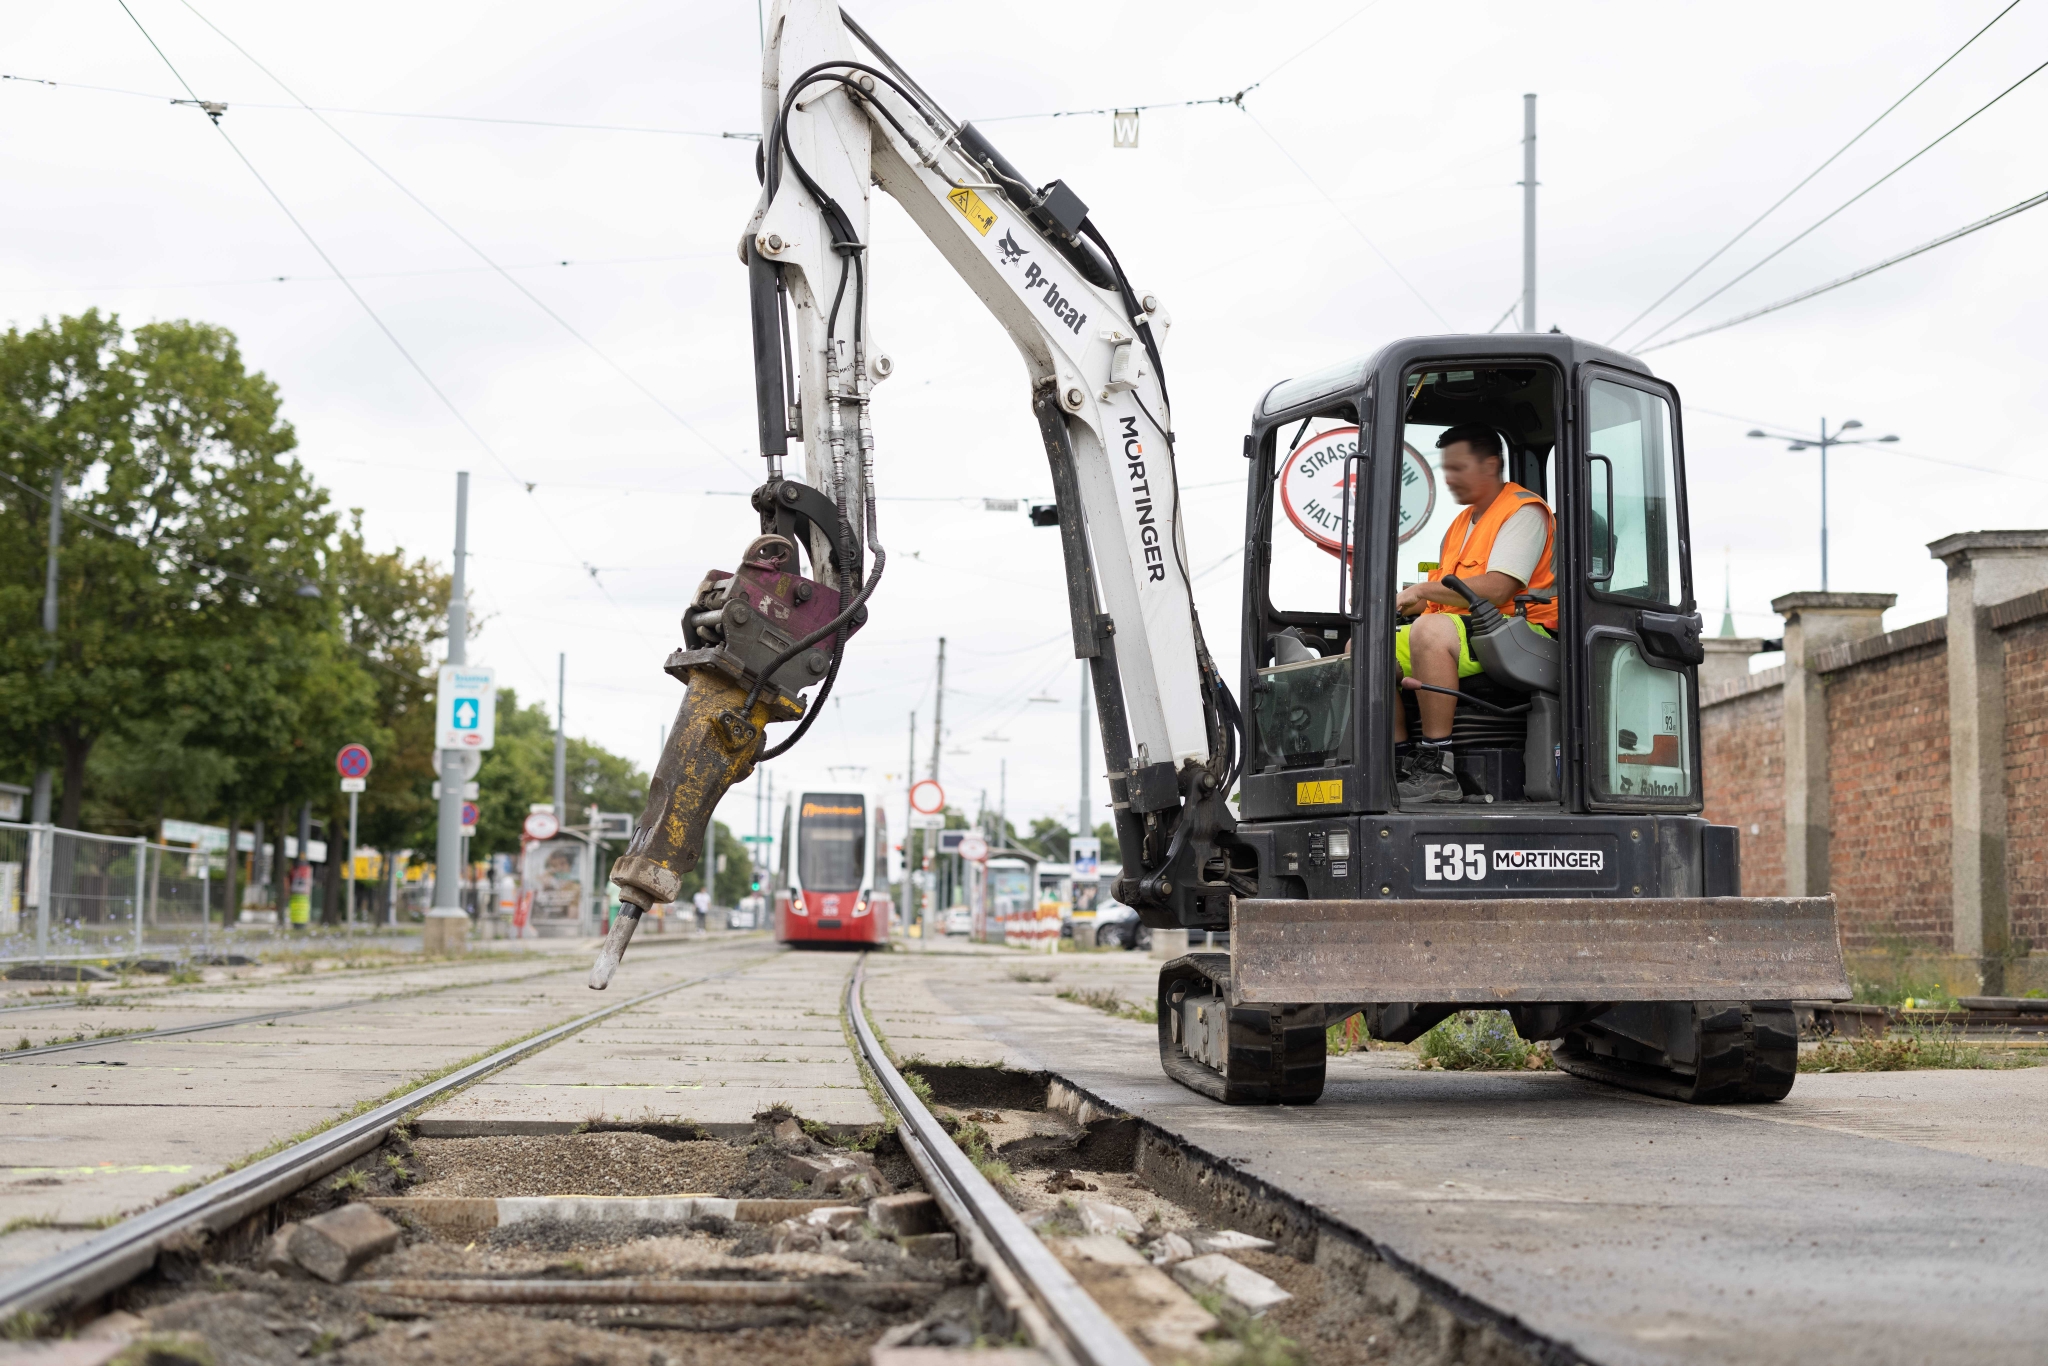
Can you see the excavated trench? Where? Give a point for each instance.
(661, 1244)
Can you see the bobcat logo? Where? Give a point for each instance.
(1012, 253)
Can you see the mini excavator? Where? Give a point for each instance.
(1571, 881)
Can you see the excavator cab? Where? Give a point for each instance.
(1346, 505)
(1572, 880)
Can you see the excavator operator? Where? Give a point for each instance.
(1499, 546)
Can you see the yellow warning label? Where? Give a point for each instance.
(1328, 792)
(973, 210)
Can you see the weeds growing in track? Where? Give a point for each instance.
(1920, 1047)
(1258, 1343)
(1111, 1002)
(1480, 1041)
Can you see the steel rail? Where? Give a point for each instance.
(1055, 1310)
(130, 1247)
(264, 1017)
(14, 1054)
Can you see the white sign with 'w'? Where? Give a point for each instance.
(1123, 128)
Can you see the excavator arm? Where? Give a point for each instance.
(839, 116)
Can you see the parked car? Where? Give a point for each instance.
(746, 915)
(1117, 927)
(959, 920)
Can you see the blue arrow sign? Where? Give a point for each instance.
(465, 713)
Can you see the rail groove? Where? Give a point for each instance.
(130, 1247)
(1061, 1318)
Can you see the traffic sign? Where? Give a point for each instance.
(354, 785)
(353, 762)
(757, 839)
(927, 797)
(927, 820)
(469, 815)
(973, 847)
(466, 708)
(542, 825)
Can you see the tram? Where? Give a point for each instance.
(832, 877)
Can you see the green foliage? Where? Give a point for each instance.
(1920, 1047)
(221, 632)
(1480, 1041)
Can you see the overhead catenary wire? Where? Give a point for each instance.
(1352, 223)
(1831, 214)
(1236, 99)
(1876, 448)
(1855, 275)
(1809, 176)
(394, 113)
(478, 251)
(348, 284)
(377, 274)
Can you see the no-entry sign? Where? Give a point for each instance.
(353, 761)
(543, 825)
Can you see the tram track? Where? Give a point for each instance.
(1034, 1290)
(263, 1017)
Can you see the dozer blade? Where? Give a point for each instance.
(1486, 953)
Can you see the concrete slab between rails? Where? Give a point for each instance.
(458, 1216)
(83, 1139)
(1876, 1217)
(430, 1127)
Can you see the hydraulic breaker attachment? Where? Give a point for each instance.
(736, 635)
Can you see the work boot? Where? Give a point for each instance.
(1425, 776)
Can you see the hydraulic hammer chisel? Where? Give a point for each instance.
(752, 641)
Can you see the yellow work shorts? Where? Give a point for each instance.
(1467, 665)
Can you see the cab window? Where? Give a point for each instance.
(1302, 688)
(1632, 480)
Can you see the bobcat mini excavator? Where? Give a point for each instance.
(1575, 885)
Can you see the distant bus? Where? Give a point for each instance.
(832, 886)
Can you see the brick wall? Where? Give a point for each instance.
(2026, 780)
(1743, 753)
(1889, 779)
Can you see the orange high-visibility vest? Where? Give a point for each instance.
(1478, 549)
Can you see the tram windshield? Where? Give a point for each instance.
(831, 841)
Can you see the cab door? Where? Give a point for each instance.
(1635, 693)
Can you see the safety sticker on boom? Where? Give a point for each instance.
(973, 210)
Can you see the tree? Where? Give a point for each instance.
(192, 609)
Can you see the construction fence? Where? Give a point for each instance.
(67, 894)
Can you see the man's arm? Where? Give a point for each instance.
(1494, 586)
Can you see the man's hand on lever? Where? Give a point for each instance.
(1498, 589)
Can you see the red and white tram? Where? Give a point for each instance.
(832, 880)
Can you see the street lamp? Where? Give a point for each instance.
(1822, 443)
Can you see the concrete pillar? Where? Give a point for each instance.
(1727, 659)
(1984, 567)
(1813, 622)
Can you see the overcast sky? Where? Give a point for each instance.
(1664, 129)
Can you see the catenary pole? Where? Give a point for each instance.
(1529, 213)
(939, 712)
(909, 813)
(561, 739)
(45, 778)
(448, 845)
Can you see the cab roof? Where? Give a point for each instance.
(1346, 379)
